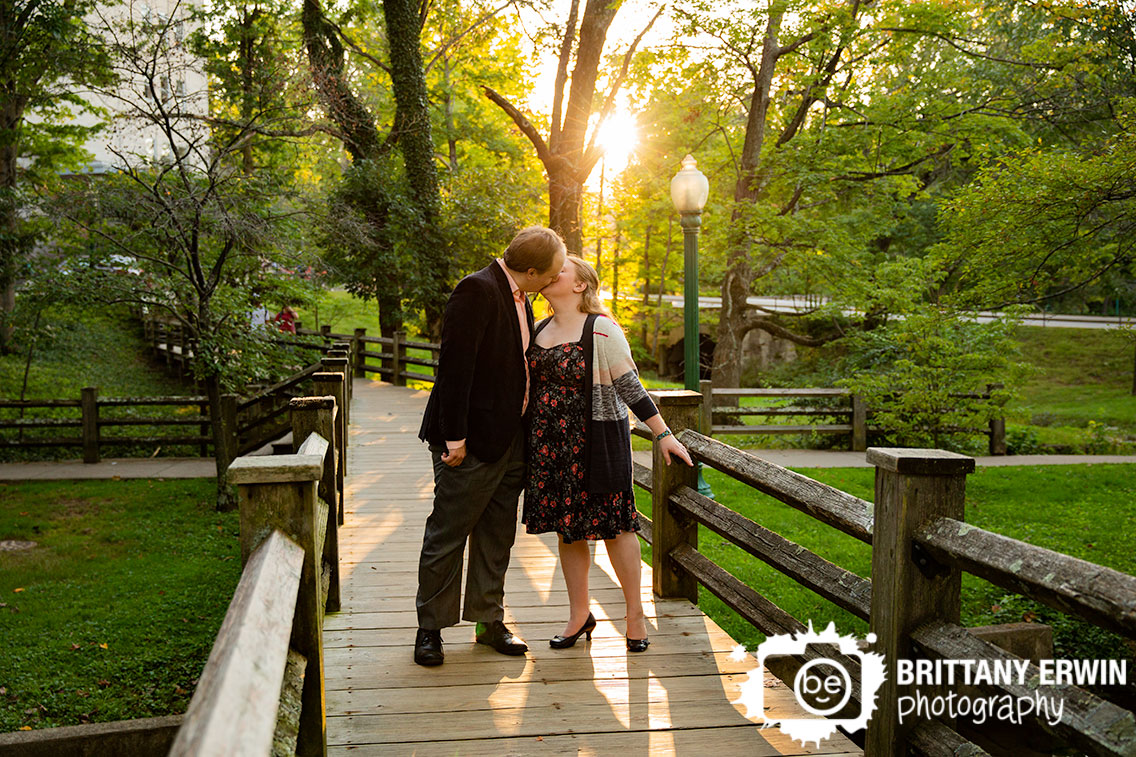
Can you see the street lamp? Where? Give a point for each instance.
(689, 190)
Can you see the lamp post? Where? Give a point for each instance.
(689, 190)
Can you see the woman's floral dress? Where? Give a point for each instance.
(555, 499)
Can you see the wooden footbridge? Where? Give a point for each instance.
(324, 613)
(594, 698)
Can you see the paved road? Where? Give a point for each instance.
(799, 304)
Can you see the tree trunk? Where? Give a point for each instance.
(568, 160)
(11, 245)
(565, 195)
(226, 497)
(412, 127)
(732, 328)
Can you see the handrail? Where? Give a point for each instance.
(827, 504)
(262, 690)
(1088, 722)
(295, 379)
(233, 710)
(841, 587)
(1103, 596)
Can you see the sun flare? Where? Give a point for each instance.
(618, 137)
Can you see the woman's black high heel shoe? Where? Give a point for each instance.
(563, 642)
(637, 645)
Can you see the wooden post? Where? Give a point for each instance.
(204, 429)
(398, 353)
(345, 350)
(339, 364)
(359, 346)
(325, 331)
(279, 492)
(680, 409)
(330, 384)
(89, 399)
(706, 419)
(859, 424)
(908, 587)
(997, 427)
(317, 415)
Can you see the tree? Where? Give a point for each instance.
(205, 240)
(569, 154)
(421, 259)
(46, 49)
(856, 116)
(244, 48)
(916, 372)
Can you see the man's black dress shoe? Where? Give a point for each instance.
(499, 637)
(428, 647)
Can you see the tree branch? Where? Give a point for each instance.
(592, 153)
(461, 35)
(546, 156)
(562, 73)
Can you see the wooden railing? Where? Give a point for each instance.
(396, 363)
(920, 548)
(84, 429)
(247, 423)
(852, 414)
(262, 690)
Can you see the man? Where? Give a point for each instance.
(474, 423)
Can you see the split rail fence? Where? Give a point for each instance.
(852, 414)
(247, 423)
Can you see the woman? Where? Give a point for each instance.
(579, 485)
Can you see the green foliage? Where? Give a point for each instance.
(78, 347)
(204, 250)
(910, 372)
(250, 53)
(1044, 220)
(48, 54)
(119, 603)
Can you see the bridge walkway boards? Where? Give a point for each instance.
(592, 699)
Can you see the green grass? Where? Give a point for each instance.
(1079, 375)
(100, 347)
(1087, 511)
(113, 615)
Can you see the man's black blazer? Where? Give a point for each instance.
(480, 383)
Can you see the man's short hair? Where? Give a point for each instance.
(534, 247)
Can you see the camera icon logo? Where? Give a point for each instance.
(828, 687)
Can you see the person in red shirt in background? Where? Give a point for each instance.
(287, 320)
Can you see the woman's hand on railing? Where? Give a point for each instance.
(669, 446)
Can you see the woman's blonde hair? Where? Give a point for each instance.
(585, 274)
